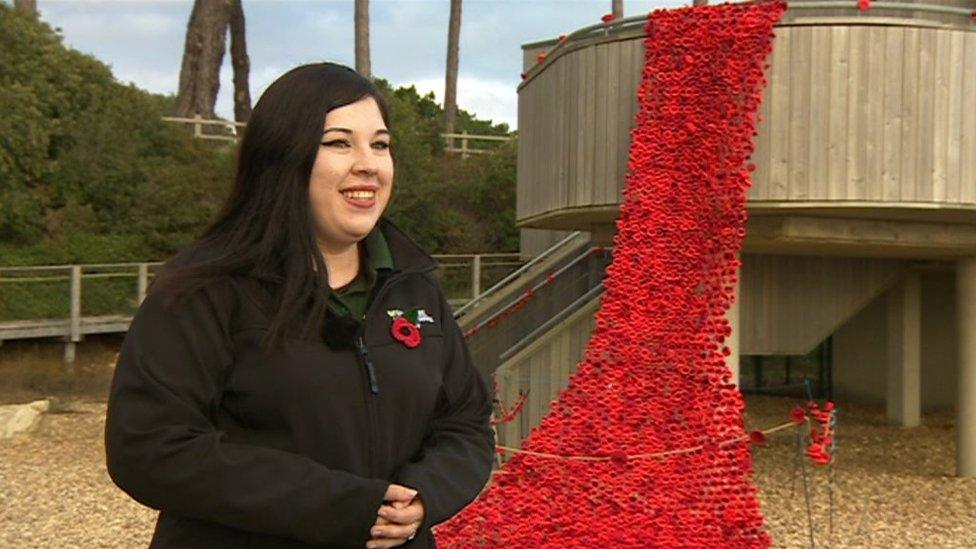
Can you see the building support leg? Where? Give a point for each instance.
(733, 340)
(966, 396)
(903, 383)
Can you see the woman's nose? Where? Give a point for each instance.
(365, 162)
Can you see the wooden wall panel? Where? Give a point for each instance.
(967, 133)
(891, 115)
(543, 370)
(874, 103)
(814, 141)
(598, 146)
(940, 122)
(837, 77)
(789, 304)
(908, 134)
(800, 111)
(852, 113)
(953, 109)
(858, 92)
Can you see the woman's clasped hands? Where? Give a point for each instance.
(398, 518)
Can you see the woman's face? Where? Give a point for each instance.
(353, 174)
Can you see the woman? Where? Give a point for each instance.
(295, 377)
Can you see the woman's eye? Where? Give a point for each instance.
(381, 144)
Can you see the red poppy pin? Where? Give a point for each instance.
(406, 325)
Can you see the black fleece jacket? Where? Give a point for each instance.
(295, 448)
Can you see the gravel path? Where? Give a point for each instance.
(55, 492)
(892, 487)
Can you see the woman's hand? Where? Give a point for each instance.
(397, 522)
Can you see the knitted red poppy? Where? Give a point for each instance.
(798, 415)
(654, 375)
(405, 332)
(758, 438)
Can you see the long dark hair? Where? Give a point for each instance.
(264, 229)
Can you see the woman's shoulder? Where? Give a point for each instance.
(179, 289)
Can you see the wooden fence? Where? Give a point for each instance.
(231, 128)
(46, 301)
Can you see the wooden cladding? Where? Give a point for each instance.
(853, 113)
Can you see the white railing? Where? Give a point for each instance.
(232, 127)
(464, 137)
(199, 122)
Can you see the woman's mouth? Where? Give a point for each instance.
(360, 199)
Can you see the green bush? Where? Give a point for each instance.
(88, 170)
(90, 173)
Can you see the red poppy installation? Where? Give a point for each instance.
(654, 376)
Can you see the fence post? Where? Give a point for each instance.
(142, 283)
(464, 144)
(75, 322)
(198, 126)
(476, 276)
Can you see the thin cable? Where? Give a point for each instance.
(806, 497)
(652, 455)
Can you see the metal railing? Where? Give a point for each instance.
(549, 252)
(461, 288)
(552, 322)
(493, 333)
(637, 22)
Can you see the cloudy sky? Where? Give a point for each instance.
(143, 40)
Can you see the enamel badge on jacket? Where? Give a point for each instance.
(295, 448)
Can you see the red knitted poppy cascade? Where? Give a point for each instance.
(654, 376)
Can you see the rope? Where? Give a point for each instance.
(652, 455)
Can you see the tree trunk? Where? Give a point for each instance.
(361, 20)
(618, 9)
(699, 2)
(450, 80)
(26, 6)
(241, 63)
(203, 53)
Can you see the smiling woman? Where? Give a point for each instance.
(351, 182)
(262, 397)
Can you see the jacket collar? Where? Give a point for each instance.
(407, 254)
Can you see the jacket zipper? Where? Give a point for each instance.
(363, 350)
(373, 386)
(371, 413)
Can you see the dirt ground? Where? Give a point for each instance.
(891, 487)
(32, 369)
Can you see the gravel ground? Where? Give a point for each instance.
(55, 492)
(892, 487)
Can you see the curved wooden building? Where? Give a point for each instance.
(862, 213)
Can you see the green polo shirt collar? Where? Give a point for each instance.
(377, 251)
(350, 300)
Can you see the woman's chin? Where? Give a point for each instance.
(359, 230)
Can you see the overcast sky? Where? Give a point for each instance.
(143, 41)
